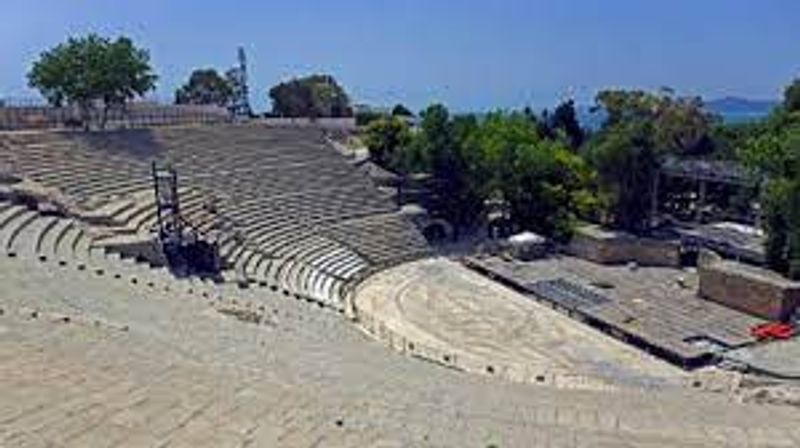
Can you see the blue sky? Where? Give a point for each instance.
(472, 55)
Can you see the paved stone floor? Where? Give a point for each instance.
(781, 358)
(90, 360)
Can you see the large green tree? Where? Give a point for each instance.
(443, 147)
(626, 159)
(399, 110)
(679, 124)
(641, 129)
(387, 137)
(314, 96)
(774, 156)
(543, 182)
(564, 120)
(791, 97)
(436, 141)
(91, 72)
(206, 87)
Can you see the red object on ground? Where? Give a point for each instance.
(772, 330)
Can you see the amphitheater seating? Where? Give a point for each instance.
(61, 243)
(287, 211)
(380, 238)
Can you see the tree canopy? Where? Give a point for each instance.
(641, 129)
(548, 172)
(399, 110)
(773, 154)
(679, 124)
(626, 160)
(386, 137)
(314, 96)
(544, 183)
(563, 120)
(206, 87)
(791, 97)
(91, 70)
(502, 155)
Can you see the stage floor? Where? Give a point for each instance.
(440, 306)
(654, 308)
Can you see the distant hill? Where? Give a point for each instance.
(731, 109)
(735, 109)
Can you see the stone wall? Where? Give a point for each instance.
(610, 247)
(749, 289)
(136, 114)
(344, 123)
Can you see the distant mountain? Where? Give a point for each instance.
(731, 109)
(735, 109)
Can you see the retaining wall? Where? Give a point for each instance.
(749, 289)
(610, 247)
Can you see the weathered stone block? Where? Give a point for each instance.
(611, 247)
(749, 289)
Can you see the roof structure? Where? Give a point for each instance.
(720, 171)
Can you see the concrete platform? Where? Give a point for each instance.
(653, 308)
(780, 359)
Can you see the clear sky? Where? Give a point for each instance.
(472, 55)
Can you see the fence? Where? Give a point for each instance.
(336, 124)
(21, 116)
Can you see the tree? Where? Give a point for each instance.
(400, 110)
(774, 156)
(565, 119)
(207, 87)
(385, 138)
(443, 148)
(626, 160)
(643, 128)
(91, 71)
(313, 96)
(679, 124)
(728, 138)
(543, 182)
(791, 97)
(776, 223)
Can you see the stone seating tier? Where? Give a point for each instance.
(283, 191)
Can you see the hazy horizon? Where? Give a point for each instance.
(472, 56)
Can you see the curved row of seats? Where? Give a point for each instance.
(313, 268)
(289, 211)
(26, 232)
(384, 239)
(67, 242)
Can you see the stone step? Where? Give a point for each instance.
(28, 240)
(14, 227)
(46, 245)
